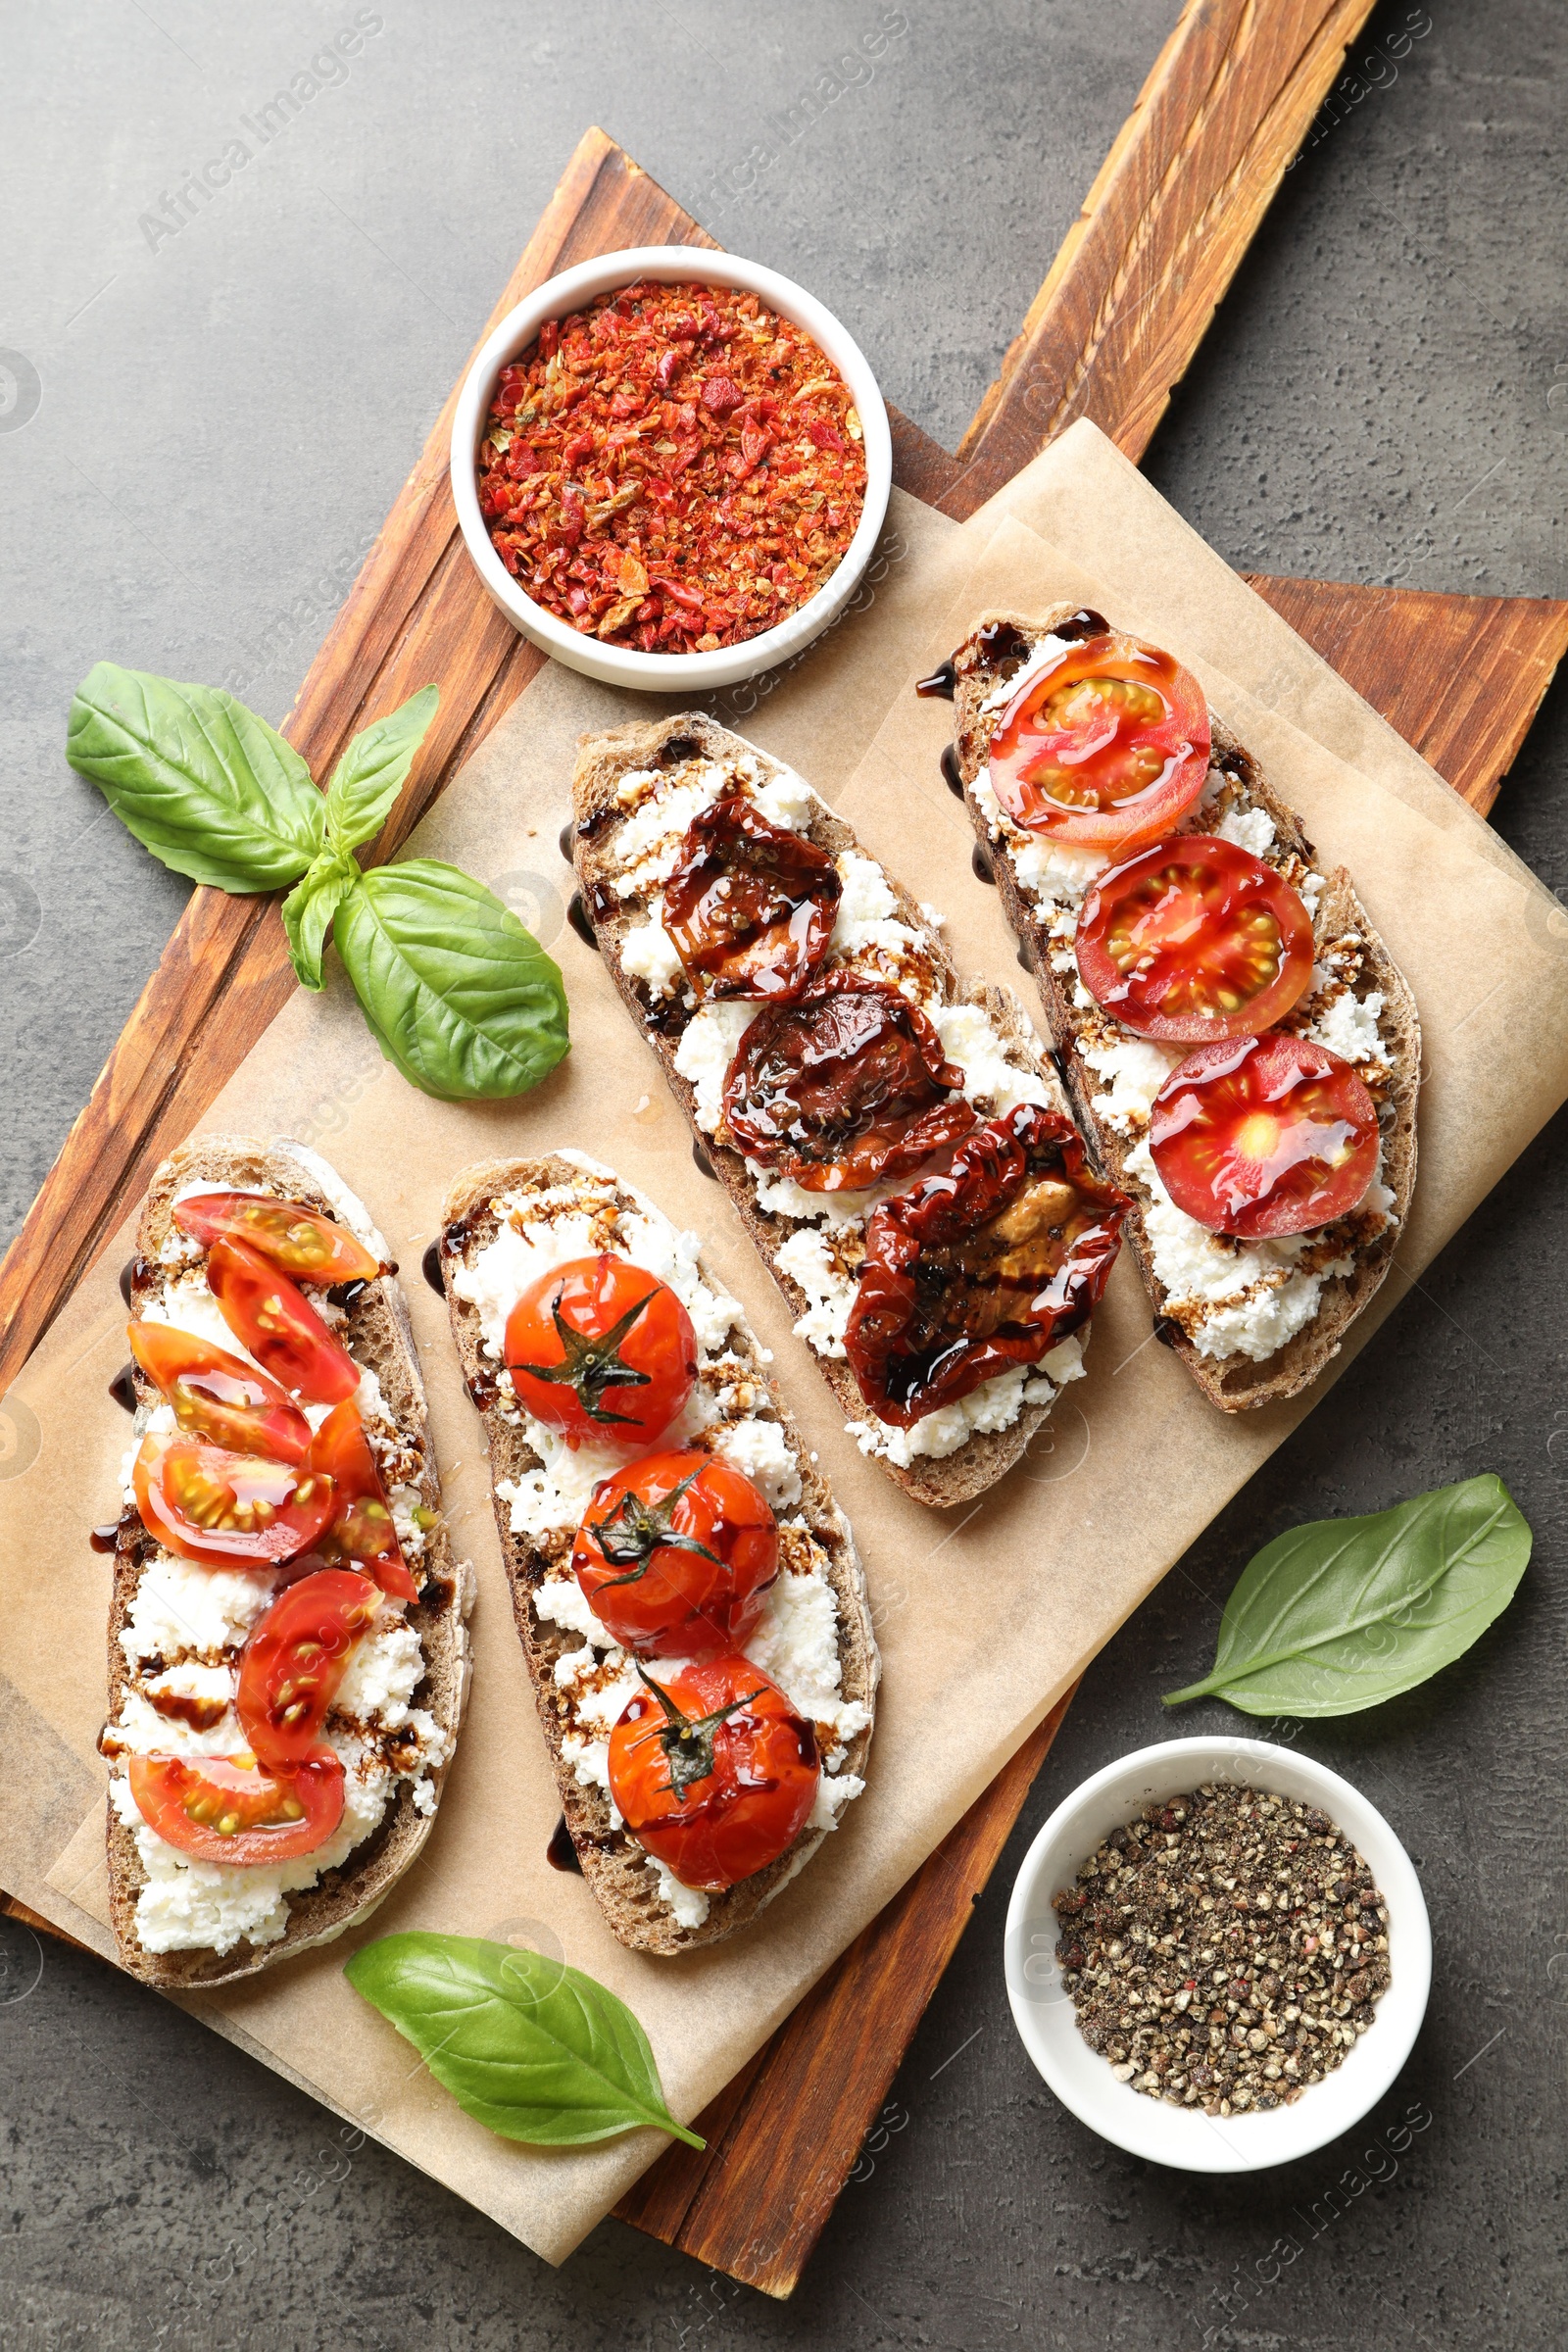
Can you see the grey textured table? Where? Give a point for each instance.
(201, 426)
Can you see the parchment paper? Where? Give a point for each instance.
(985, 1614)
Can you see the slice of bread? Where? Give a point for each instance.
(604, 763)
(612, 1863)
(377, 1333)
(1348, 948)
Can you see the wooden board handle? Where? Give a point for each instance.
(1175, 205)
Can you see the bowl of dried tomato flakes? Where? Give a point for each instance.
(671, 468)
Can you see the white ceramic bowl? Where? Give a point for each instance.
(623, 665)
(1046, 2017)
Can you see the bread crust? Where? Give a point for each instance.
(612, 1864)
(1237, 1383)
(378, 1325)
(602, 760)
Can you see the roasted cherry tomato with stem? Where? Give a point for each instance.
(1264, 1136)
(601, 1350)
(229, 1809)
(675, 1554)
(272, 1316)
(983, 1268)
(362, 1530)
(715, 1772)
(847, 1084)
(1195, 939)
(1106, 746)
(296, 1240)
(219, 1396)
(751, 906)
(295, 1658)
(229, 1510)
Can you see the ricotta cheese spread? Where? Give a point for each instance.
(1230, 1298)
(181, 1639)
(822, 1232)
(729, 1412)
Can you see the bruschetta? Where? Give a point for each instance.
(1240, 1049)
(811, 1024)
(688, 1595)
(288, 1650)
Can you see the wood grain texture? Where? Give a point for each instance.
(780, 2150)
(785, 2134)
(1460, 678)
(1176, 203)
(38, 1924)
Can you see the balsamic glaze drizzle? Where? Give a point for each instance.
(577, 917)
(561, 1853)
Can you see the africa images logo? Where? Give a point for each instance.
(20, 391)
(326, 71)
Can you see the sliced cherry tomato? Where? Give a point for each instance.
(272, 1316)
(298, 1241)
(981, 1268)
(1195, 939)
(675, 1554)
(217, 1395)
(295, 1658)
(714, 1773)
(228, 1809)
(847, 1084)
(601, 1350)
(1107, 744)
(228, 1510)
(751, 906)
(1265, 1135)
(363, 1530)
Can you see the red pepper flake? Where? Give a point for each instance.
(673, 468)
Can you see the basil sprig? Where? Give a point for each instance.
(456, 992)
(1345, 1613)
(530, 2048)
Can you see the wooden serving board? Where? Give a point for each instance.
(1118, 320)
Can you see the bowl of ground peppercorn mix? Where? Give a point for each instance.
(1218, 1954)
(671, 468)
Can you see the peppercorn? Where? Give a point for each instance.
(1274, 2004)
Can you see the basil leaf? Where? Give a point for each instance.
(456, 992)
(527, 2047)
(308, 909)
(1345, 1613)
(201, 781)
(375, 768)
